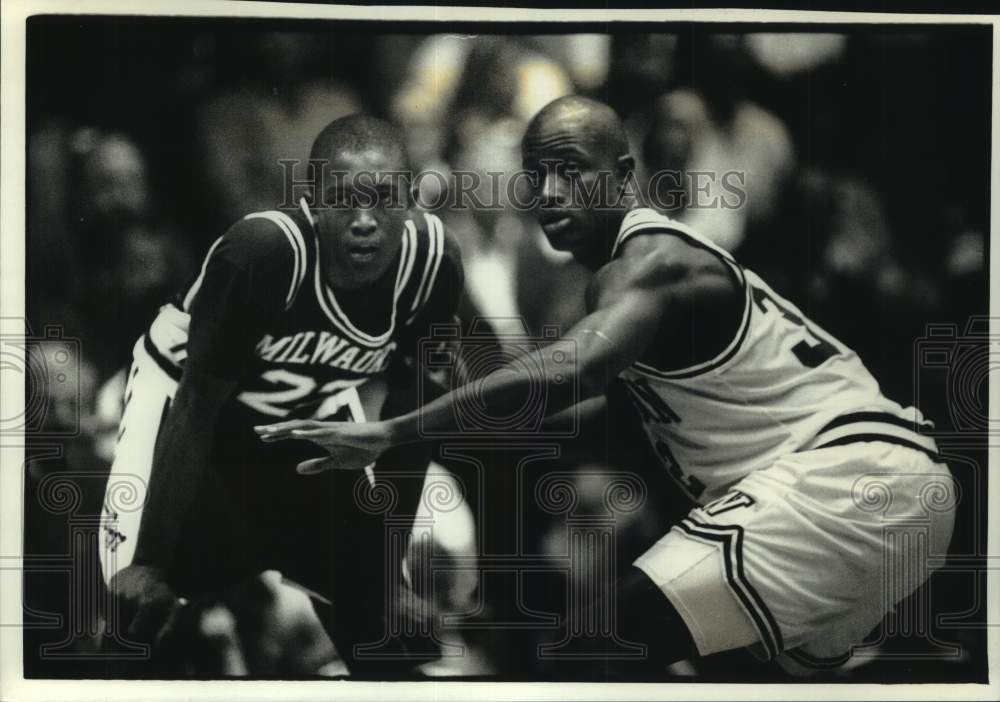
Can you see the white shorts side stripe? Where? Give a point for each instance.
(149, 393)
(732, 539)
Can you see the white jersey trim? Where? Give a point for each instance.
(411, 235)
(644, 219)
(196, 285)
(294, 235)
(435, 233)
(328, 300)
(304, 206)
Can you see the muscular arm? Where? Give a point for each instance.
(576, 367)
(629, 299)
(240, 290)
(179, 461)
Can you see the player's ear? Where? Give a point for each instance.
(414, 191)
(313, 185)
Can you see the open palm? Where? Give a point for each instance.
(351, 445)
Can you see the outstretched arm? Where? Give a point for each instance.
(630, 299)
(576, 367)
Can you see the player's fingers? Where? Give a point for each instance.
(267, 434)
(285, 427)
(272, 438)
(322, 432)
(282, 434)
(314, 465)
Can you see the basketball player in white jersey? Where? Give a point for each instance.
(774, 428)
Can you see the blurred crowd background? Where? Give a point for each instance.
(865, 154)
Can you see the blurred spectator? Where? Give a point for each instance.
(714, 134)
(642, 66)
(787, 54)
(586, 57)
(102, 259)
(465, 106)
(458, 85)
(273, 114)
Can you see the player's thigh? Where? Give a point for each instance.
(800, 551)
(213, 546)
(148, 394)
(850, 531)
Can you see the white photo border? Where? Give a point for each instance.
(12, 280)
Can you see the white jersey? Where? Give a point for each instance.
(781, 385)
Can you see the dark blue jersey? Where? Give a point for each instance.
(261, 312)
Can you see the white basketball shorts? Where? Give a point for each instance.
(148, 394)
(802, 560)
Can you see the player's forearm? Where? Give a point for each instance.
(549, 377)
(574, 416)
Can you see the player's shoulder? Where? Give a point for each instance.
(432, 277)
(656, 259)
(638, 227)
(269, 237)
(654, 251)
(650, 243)
(436, 239)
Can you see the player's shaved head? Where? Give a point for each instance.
(357, 134)
(576, 152)
(593, 123)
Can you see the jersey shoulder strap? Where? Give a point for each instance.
(424, 244)
(257, 236)
(292, 230)
(644, 219)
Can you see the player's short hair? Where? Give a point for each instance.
(358, 132)
(598, 121)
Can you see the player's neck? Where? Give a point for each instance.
(341, 284)
(613, 225)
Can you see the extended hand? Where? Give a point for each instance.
(351, 445)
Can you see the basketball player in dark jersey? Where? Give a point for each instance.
(309, 311)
